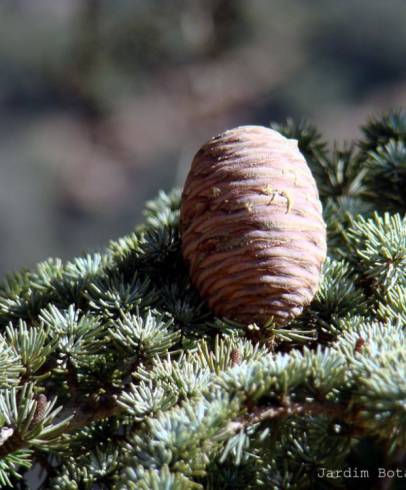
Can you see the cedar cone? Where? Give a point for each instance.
(253, 235)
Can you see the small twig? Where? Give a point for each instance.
(72, 379)
(97, 408)
(83, 414)
(262, 414)
(12, 444)
(92, 410)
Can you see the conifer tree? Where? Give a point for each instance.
(114, 373)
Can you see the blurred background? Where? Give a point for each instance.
(104, 102)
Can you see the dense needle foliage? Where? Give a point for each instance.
(114, 374)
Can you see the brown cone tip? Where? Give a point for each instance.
(253, 235)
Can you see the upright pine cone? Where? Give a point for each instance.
(253, 236)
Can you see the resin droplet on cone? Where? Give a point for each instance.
(253, 235)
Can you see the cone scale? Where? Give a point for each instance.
(253, 235)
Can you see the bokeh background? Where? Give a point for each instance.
(104, 102)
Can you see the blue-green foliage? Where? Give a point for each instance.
(115, 374)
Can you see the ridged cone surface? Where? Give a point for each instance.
(253, 236)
